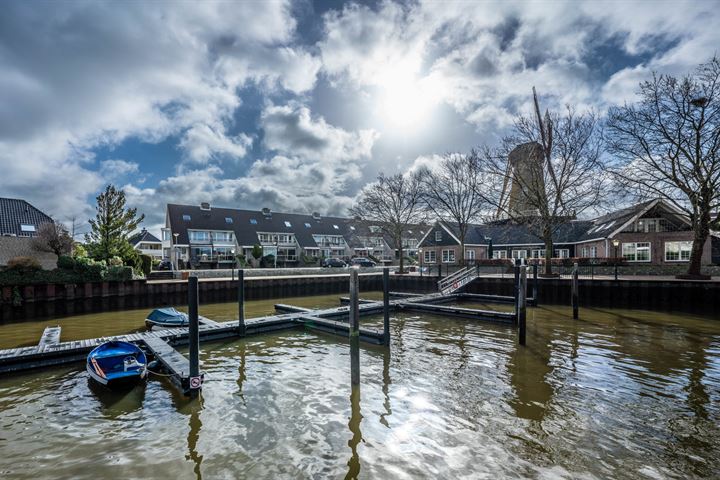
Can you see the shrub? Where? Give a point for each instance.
(24, 264)
(118, 273)
(257, 252)
(146, 264)
(267, 261)
(66, 262)
(115, 261)
(309, 260)
(79, 251)
(242, 261)
(90, 270)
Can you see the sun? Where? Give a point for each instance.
(404, 99)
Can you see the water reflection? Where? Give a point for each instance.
(242, 352)
(354, 425)
(386, 387)
(116, 403)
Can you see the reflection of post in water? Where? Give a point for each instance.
(241, 371)
(386, 388)
(354, 327)
(529, 368)
(194, 435)
(354, 424)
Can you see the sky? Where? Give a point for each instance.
(296, 105)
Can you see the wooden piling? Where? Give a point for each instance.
(354, 312)
(535, 285)
(241, 302)
(194, 337)
(574, 291)
(522, 303)
(516, 287)
(386, 306)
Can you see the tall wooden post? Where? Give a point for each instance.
(516, 287)
(535, 285)
(574, 291)
(241, 302)
(193, 335)
(354, 328)
(386, 306)
(522, 304)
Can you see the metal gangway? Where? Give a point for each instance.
(457, 280)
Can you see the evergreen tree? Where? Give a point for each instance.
(113, 223)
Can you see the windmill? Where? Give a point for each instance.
(523, 189)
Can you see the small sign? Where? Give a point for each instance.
(195, 382)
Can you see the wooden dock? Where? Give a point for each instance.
(50, 351)
(173, 362)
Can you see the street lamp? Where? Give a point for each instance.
(232, 265)
(616, 244)
(175, 249)
(276, 250)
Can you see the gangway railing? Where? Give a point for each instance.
(457, 280)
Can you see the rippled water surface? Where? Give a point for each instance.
(617, 394)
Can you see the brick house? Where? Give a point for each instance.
(651, 232)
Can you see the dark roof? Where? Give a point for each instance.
(606, 224)
(245, 231)
(11, 247)
(15, 212)
(143, 236)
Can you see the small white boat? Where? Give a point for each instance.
(166, 318)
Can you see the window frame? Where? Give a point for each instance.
(430, 256)
(680, 251)
(438, 236)
(450, 252)
(634, 245)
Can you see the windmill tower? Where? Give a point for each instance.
(524, 181)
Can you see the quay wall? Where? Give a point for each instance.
(661, 295)
(57, 300)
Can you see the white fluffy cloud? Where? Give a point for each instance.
(76, 76)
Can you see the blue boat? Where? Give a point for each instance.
(167, 318)
(116, 363)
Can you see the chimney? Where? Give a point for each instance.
(266, 212)
(205, 206)
(316, 216)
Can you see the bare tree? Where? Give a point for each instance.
(670, 143)
(395, 203)
(53, 237)
(552, 166)
(452, 189)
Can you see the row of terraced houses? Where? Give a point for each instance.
(205, 236)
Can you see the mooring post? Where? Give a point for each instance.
(574, 291)
(535, 285)
(386, 306)
(241, 302)
(354, 328)
(522, 304)
(516, 287)
(193, 337)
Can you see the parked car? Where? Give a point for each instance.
(165, 265)
(362, 262)
(333, 263)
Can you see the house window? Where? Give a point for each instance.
(199, 237)
(636, 252)
(499, 253)
(538, 253)
(519, 254)
(470, 254)
(584, 253)
(593, 252)
(448, 256)
(27, 228)
(253, 221)
(166, 234)
(352, 228)
(562, 253)
(186, 218)
(307, 225)
(228, 220)
(336, 227)
(677, 251)
(438, 236)
(288, 224)
(429, 256)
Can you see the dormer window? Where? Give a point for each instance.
(228, 220)
(352, 228)
(253, 221)
(307, 225)
(27, 228)
(336, 227)
(186, 218)
(288, 224)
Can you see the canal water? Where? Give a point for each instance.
(616, 394)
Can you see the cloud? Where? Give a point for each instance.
(78, 76)
(117, 168)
